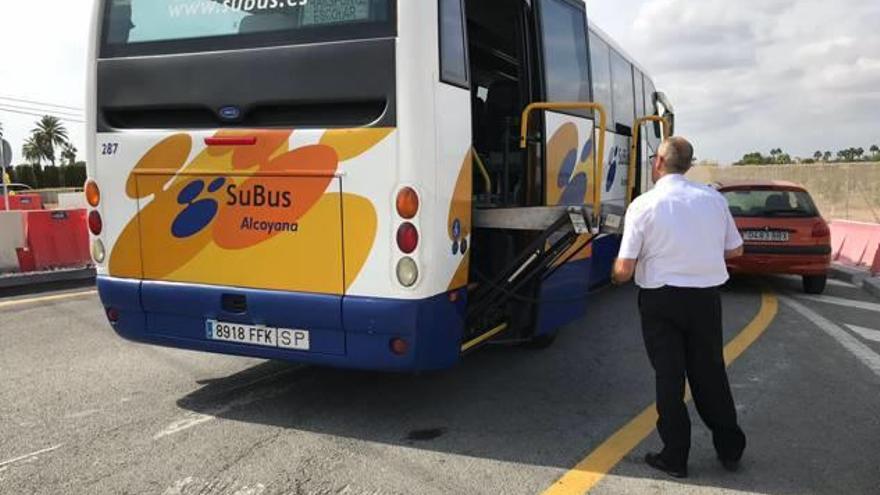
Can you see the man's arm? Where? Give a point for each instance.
(624, 269)
(733, 241)
(630, 247)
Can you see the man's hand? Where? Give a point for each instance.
(623, 271)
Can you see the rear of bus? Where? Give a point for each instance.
(245, 185)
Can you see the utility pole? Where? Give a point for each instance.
(5, 160)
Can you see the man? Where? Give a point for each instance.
(675, 242)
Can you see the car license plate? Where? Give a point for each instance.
(282, 338)
(766, 235)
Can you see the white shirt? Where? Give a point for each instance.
(679, 232)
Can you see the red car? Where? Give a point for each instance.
(782, 229)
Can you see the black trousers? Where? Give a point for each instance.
(683, 334)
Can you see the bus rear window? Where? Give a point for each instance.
(145, 27)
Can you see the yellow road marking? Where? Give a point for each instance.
(57, 297)
(482, 338)
(590, 471)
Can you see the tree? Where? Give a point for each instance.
(68, 154)
(858, 153)
(32, 151)
(49, 133)
(875, 150)
(817, 156)
(827, 156)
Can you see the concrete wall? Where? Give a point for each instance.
(841, 191)
(12, 236)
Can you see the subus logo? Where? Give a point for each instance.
(613, 163)
(197, 213)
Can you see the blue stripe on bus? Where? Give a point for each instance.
(347, 332)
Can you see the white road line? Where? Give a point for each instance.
(841, 283)
(31, 455)
(849, 303)
(57, 297)
(866, 333)
(193, 419)
(864, 353)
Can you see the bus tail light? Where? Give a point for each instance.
(407, 203)
(399, 346)
(93, 194)
(407, 238)
(96, 224)
(98, 251)
(407, 272)
(113, 315)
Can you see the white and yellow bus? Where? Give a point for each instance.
(378, 184)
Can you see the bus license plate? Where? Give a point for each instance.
(766, 236)
(281, 338)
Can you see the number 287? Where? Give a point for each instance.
(109, 148)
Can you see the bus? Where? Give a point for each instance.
(370, 184)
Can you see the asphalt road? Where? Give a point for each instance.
(82, 411)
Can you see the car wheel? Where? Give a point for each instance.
(815, 284)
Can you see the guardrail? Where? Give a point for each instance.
(856, 244)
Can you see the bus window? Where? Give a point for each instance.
(640, 94)
(600, 56)
(142, 27)
(622, 86)
(453, 56)
(565, 51)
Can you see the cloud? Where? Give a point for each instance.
(757, 74)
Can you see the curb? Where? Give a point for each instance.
(29, 280)
(857, 277)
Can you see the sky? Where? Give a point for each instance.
(745, 75)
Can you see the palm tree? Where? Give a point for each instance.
(875, 150)
(68, 154)
(859, 152)
(817, 156)
(50, 132)
(827, 156)
(32, 151)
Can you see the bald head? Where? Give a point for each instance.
(678, 154)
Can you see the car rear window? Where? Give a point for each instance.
(770, 203)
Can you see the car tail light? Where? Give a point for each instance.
(407, 238)
(821, 230)
(399, 346)
(93, 194)
(407, 272)
(407, 203)
(96, 224)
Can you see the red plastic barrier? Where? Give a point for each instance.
(57, 238)
(22, 202)
(856, 244)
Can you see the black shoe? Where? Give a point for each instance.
(729, 464)
(656, 461)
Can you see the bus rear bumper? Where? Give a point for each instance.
(345, 331)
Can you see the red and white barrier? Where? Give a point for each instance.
(12, 238)
(57, 239)
(856, 244)
(22, 202)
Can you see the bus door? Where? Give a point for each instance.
(568, 168)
